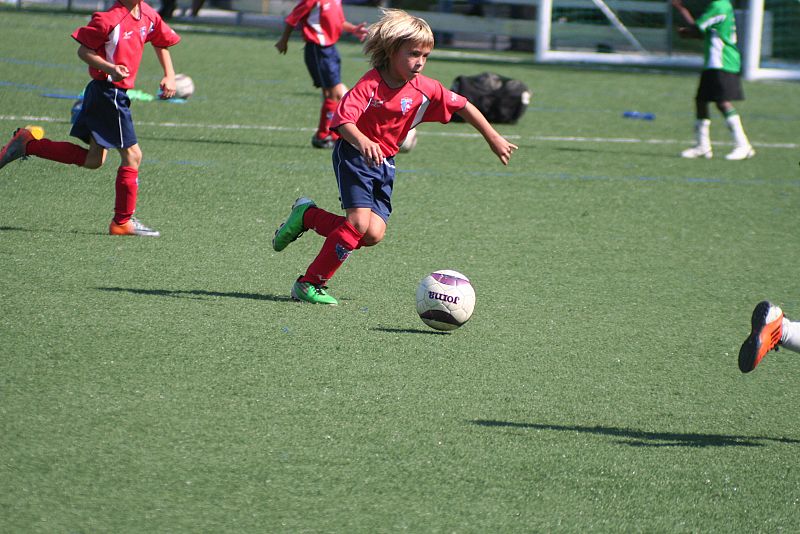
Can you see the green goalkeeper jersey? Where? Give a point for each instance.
(719, 30)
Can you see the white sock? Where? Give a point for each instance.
(702, 129)
(790, 335)
(737, 130)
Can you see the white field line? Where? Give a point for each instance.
(539, 138)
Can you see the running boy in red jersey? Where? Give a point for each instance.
(112, 45)
(322, 22)
(372, 119)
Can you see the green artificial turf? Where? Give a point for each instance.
(171, 385)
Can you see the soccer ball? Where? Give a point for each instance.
(445, 300)
(184, 86)
(410, 141)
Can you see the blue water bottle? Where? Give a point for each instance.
(639, 115)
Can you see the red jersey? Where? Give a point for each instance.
(118, 37)
(322, 20)
(385, 115)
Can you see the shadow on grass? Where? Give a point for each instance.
(196, 294)
(409, 331)
(217, 142)
(640, 438)
(47, 231)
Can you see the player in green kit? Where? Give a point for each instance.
(720, 81)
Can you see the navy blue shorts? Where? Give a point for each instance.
(324, 65)
(105, 115)
(362, 186)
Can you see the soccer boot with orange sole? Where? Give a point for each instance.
(766, 327)
(15, 149)
(132, 227)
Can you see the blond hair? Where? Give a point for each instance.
(395, 28)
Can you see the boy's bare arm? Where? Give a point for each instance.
(168, 81)
(370, 150)
(283, 43)
(691, 30)
(94, 60)
(499, 145)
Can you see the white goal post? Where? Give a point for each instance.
(750, 46)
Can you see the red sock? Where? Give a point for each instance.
(325, 116)
(127, 186)
(60, 151)
(321, 221)
(337, 248)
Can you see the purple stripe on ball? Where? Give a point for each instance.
(449, 280)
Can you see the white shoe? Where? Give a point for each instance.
(698, 152)
(741, 152)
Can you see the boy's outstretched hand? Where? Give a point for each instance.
(360, 31)
(502, 148)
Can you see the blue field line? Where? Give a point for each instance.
(62, 66)
(451, 135)
(35, 88)
(496, 174)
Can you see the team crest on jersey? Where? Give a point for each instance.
(143, 32)
(405, 104)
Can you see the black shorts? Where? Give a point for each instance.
(719, 86)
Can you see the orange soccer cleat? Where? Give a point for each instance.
(132, 227)
(765, 335)
(15, 149)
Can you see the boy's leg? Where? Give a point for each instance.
(60, 151)
(127, 189)
(742, 148)
(321, 221)
(23, 144)
(790, 335)
(324, 65)
(337, 247)
(702, 132)
(330, 100)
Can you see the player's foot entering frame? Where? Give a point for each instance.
(132, 227)
(293, 227)
(698, 152)
(16, 148)
(322, 142)
(765, 335)
(313, 293)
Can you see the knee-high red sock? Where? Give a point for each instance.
(321, 221)
(337, 248)
(127, 186)
(325, 116)
(60, 151)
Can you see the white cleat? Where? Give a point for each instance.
(698, 152)
(740, 153)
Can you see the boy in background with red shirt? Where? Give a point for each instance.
(322, 22)
(372, 119)
(112, 45)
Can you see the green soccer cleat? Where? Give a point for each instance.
(293, 227)
(315, 294)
